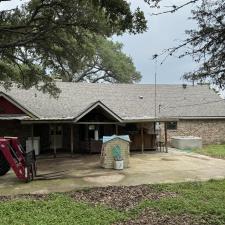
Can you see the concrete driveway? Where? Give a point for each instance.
(66, 173)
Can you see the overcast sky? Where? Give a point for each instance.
(162, 33)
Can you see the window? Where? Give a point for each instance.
(56, 130)
(171, 125)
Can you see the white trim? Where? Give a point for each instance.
(203, 118)
(117, 138)
(150, 120)
(18, 105)
(39, 121)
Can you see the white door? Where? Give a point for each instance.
(56, 137)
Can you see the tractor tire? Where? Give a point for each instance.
(4, 165)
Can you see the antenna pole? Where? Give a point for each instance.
(155, 87)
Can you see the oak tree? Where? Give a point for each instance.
(44, 37)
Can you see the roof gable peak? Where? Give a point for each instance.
(94, 106)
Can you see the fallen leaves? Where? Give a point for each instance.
(154, 218)
(121, 197)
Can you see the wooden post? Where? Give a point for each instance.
(32, 136)
(54, 139)
(116, 129)
(71, 140)
(165, 129)
(142, 139)
(154, 137)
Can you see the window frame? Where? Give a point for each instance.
(171, 125)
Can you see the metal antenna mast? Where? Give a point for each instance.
(155, 87)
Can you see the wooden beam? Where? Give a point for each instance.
(54, 139)
(97, 123)
(116, 126)
(32, 136)
(142, 139)
(166, 142)
(71, 140)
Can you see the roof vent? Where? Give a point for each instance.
(184, 86)
(141, 97)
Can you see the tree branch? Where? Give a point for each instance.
(175, 8)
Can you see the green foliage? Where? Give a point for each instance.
(116, 151)
(51, 38)
(108, 64)
(217, 151)
(58, 209)
(206, 199)
(207, 42)
(196, 199)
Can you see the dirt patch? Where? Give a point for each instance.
(121, 198)
(26, 197)
(107, 179)
(169, 159)
(153, 218)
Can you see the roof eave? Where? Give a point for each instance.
(17, 104)
(159, 119)
(201, 117)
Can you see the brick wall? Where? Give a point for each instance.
(211, 131)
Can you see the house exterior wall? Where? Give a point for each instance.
(211, 131)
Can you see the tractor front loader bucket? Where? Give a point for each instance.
(13, 156)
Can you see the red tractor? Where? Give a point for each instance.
(12, 155)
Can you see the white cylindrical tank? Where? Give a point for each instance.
(186, 142)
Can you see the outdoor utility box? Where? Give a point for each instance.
(109, 143)
(186, 142)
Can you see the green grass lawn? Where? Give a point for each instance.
(204, 199)
(217, 151)
(57, 209)
(198, 200)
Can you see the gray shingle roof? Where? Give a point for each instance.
(124, 100)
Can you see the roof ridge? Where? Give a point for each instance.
(127, 84)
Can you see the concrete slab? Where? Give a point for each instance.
(66, 173)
